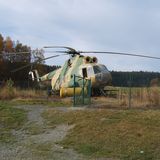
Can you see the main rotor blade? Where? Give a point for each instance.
(57, 52)
(14, 53)
(73, 51)
(69, 48)
(123, 54)
(18, 69)
(53, 56)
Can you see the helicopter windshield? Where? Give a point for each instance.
(103, 67)
(99, 68)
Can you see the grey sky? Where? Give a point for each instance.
(103, 25)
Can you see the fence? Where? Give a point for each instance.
(131, 97)
(82, 91)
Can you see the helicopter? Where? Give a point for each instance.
(62, 79)
(87, 67)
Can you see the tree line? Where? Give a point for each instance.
(9, 47)
(14, 55)
(15, 51)
(135, 79)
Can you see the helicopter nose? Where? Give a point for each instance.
(103, 78)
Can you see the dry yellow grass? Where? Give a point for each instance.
(11, 93)
(140, 97)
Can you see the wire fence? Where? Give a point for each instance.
(132, 97)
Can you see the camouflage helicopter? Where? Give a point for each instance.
(62, 79)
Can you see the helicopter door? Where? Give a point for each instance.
(90, 72)
(84, 72)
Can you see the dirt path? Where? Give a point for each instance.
(36, 141)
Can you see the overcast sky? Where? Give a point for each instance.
(103, 25)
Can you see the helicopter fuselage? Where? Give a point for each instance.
(86, 67)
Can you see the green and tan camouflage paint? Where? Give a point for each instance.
(64, 77)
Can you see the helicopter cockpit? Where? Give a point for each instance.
(98, 73)
(100, 69)
(91, 70)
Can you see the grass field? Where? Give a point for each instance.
(117, 133)
(122, 134)
(131, 134)
(10, 119)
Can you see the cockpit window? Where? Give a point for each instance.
(103, 67)
(98, 69)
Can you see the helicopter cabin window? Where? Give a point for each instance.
(84, 72)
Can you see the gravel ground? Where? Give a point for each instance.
(39, 146)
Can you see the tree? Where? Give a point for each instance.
(18, 47)
(23, 57)
(1, 43)
(1, 48)
(8, 45)
(38, 55)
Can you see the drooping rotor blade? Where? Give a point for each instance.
(57, 52)
(53, 56)
(13, 53)
(40, 60)
(18, 69)
(69, 48)
(69, 51)
(123, 54)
